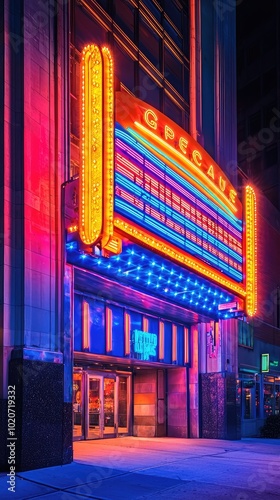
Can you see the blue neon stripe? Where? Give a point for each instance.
(139, 137)
(176, 216)
(230, 218)
(138, 215)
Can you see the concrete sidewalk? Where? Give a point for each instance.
(145, 468)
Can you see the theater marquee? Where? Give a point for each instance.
(144, 178)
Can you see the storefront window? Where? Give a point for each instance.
(257, 400)
(248, 398)
(248, 403)
(268, 399)
(277, 399)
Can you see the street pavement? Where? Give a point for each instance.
(131, 468)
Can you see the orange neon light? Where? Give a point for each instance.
(186, 345)
(174, 343)
(166, 135)
(161, 340)
(251, 250)
(193, 165)
(168, 250)
(108, 159)
(91, 179)
(145, 324)
(109, 345)
(85, 325)
(127, 327)
(96, 194)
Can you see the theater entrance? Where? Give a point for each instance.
(101, 405)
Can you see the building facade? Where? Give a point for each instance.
(128, 255)
(258, 143)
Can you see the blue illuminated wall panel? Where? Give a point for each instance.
(97, 332)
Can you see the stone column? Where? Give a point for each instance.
(34, 146)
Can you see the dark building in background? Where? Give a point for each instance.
(258, 95)
(258, 150)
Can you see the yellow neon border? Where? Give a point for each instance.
(108, 158)
(166, 249)
(251, 250)
(198, 172)
(91, 182)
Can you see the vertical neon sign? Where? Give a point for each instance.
(97, 147)
(251, 250)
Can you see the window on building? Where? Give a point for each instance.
(254, 123)
(124, 15)
(149, 42)
(257, 400)
(253, 53)
(172, 110)
(74, 94)
(245, 334)
(269, 79)
(250, 94)
(271, 156)
(124, 67)
(268, 399)
(153, 9)
(173, 69)
(173, 9)
(148, 90)
(88, 30)
(247, 403)
(176, 37)
(104, 3)
(277, 399)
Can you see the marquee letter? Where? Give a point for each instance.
(151, 119)
(168, 133)
(210, 172)
(232, 195)
(196, 156)
(222, 183)
(183, 144)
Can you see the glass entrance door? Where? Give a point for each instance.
(94, 428)
(107, 406)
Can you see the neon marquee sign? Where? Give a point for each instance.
(154, 184)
